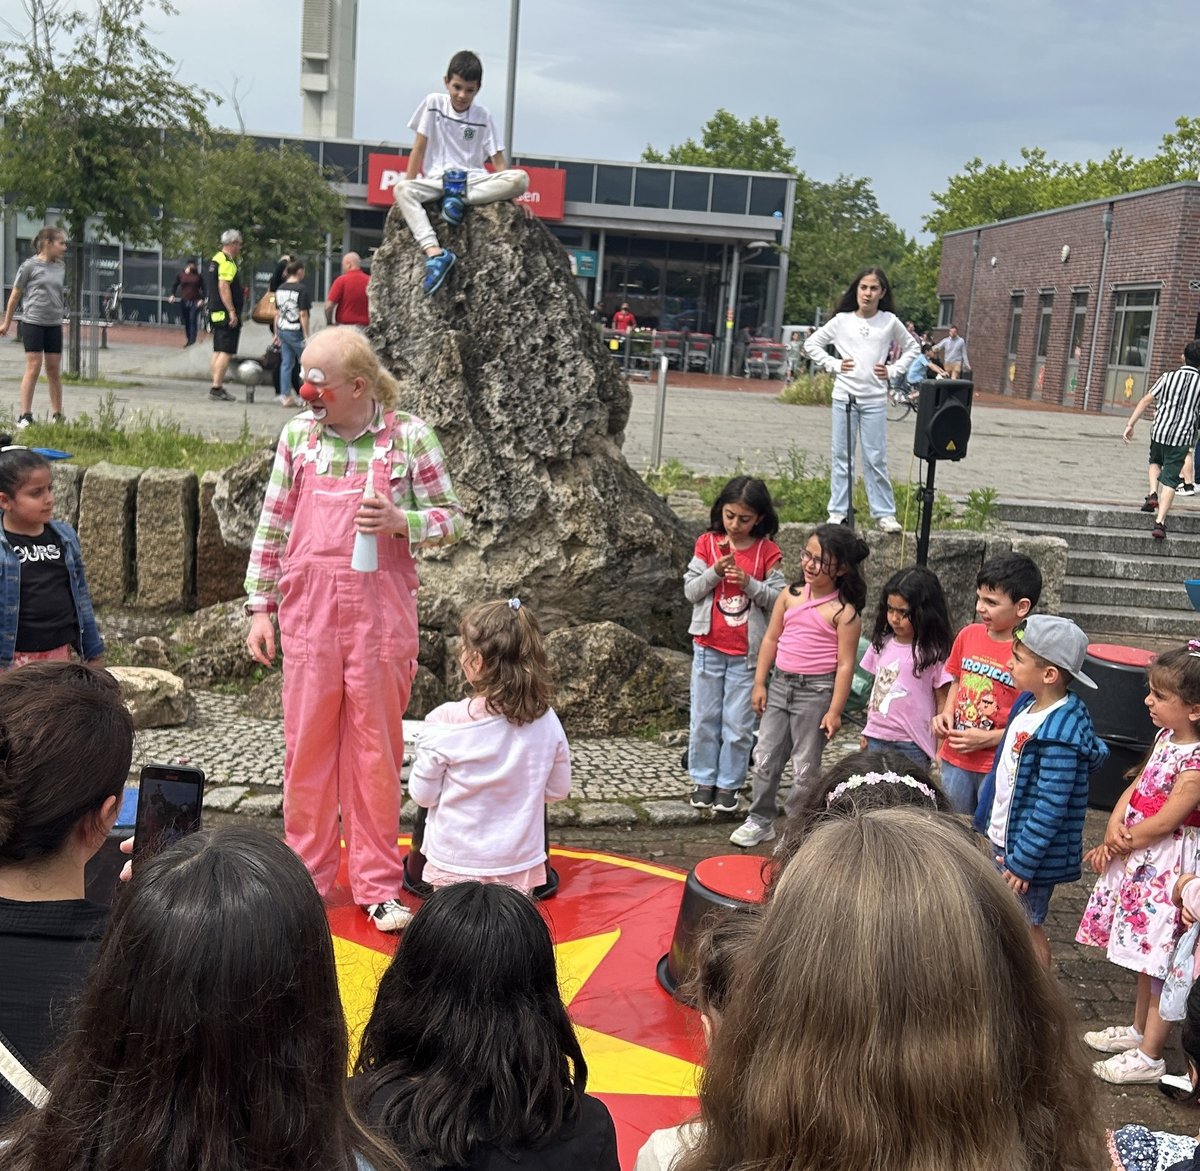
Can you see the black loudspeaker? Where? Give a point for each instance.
(943, 419)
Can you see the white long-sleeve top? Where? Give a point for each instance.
(485, 781)
(867, 340)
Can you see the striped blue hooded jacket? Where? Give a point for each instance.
(1044, 836)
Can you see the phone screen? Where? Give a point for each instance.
(169, 802)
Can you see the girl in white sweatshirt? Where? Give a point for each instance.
(487, 766)
(863, 331)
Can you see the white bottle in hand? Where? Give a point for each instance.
(365, 558)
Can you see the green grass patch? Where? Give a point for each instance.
(155, 441)
(808, 390)
(97, 383)
(799, 486)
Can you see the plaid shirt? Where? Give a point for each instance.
(423, 491)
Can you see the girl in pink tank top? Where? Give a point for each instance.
(812, 642)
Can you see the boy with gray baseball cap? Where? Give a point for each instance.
(1032, 803)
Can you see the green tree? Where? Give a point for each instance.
(91, 107)
(726, 141)
(277, 198)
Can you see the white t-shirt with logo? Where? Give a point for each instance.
(457, 142)
(1019, 729)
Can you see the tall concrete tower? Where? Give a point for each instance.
(328, 59)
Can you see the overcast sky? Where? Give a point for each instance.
(903, 94)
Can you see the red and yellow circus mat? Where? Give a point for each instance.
(611, 921)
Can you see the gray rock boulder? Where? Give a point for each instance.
(156, 699)
(220, 566)
(210, 646)
(609, 681)
(238, 497)
(505, 364)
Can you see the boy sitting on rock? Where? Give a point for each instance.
(453, 133)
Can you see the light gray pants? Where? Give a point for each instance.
(412, 194)
(790, 728)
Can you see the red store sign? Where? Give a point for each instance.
(545, 197)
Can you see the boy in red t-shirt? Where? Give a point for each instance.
(973, 719)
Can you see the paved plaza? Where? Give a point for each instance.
(630, 793)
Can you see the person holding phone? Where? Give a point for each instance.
(68, 740)
(210, 1032)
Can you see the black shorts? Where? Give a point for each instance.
(225, 338)
(41, 339)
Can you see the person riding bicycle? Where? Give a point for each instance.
(922, 367)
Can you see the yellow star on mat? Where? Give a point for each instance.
(615, 1066)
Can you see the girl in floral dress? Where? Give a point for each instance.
(1153, 836)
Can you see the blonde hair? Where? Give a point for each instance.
(359, 360)
(514, 677)
(892, 1013)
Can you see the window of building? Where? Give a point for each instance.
(581, 179)
(1133, 327)
(1079, 300)
(945, 312)
(729, 194)
(343, 160)
(691, 191)
(613, 184)
(768, 196)
(652, 188)
(1014, 323)
(1045, 312)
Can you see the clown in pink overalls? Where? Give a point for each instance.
(349, 639)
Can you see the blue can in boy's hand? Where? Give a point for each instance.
(454, 183)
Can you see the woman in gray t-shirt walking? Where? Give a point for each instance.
(38, 286)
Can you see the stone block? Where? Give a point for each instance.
(671, 812)
(262, 805)
(606, 813)
(220, 565)
(166, 538)
(157, 699)
(560, 814)
(225, 798)
(66, 479)
(1050, 555)
(106, 531)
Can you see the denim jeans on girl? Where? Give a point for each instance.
(721, 730)
(868, 423)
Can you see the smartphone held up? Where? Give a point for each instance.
(170, 797)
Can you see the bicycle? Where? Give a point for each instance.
(900, 402)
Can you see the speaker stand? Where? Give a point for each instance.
(851, 403)
(927, 496)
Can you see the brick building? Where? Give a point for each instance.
(1082, 305)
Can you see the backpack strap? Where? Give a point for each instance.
(16, 1073)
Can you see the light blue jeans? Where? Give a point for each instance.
(291, 345)
(721, 730)
(868, 426)
(961, 787)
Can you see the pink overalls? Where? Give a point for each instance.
(349, 644)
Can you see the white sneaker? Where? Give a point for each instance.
(389, 916)
(751, 833)
(1114, 1039)
(24, 421)
(836, 518)
(1129, 1069)
(889, 524)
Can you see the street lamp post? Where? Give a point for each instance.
(514, 20)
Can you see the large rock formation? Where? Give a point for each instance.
(504, 362)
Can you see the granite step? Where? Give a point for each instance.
(1131, 595)
(1114, 567)
(1099, 619)
(1183, 519)
(1131, 542)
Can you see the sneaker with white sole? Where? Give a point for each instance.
(752, 833)
(24, 421)
(727, 801)
(836, 518)
(702, 796)
(390, 915)
(1114, 1039)
(436, 270)
(1129, 1069)
(889, 524)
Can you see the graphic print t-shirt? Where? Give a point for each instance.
(902, 703)
(1015, 736)
(984, 693)
(731, 604)
(46, 618)
(457, 142)
(291, 299)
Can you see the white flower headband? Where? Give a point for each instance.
(888, 778)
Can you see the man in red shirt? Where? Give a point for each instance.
(623, 321)
(347, 300)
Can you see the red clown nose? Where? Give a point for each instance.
(310, 393)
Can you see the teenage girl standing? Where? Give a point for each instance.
(732, 582)
(812, 642)
(39, 285)
(47, 610)
(863, 330)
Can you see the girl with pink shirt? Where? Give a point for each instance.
(486, 766)
(812, 642)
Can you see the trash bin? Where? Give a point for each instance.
(1118, 710)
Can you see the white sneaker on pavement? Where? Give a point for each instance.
(836, 518)
(1129, 1069)
(889, 524)
(751, 833)
(1114, 1039)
